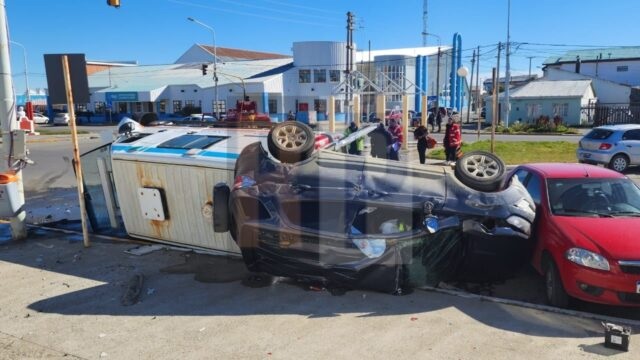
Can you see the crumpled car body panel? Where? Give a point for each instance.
(358, 222)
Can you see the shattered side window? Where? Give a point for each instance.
(192, 141)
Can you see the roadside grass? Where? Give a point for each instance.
(521, 152)
(59, 131)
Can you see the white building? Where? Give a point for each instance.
(619, 65)
(303, 83)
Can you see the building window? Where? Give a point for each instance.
(334, 75)
(220, 108)
(534, 110)
(338, 106)
(190, 103)
(163, 106)
(177, 106)
(561, 110)
(273, 106)
(98, 107)
(320, 75)
(622, 68)
(320, 105)
(81, 107)
(304, 76)
(138, 107)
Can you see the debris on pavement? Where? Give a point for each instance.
(132, 291)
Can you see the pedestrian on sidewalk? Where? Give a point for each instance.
(442, 113)
(380, 141)
(395, 130)
(452, 140)
(431, 121)
(420, 134)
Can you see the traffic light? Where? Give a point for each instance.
(115, 3)
(204, 69)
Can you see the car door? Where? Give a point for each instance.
(631, 143)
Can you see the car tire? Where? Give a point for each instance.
(291, 141)
(619, 163)
(480, 170)
(554, 289)
(221, 208)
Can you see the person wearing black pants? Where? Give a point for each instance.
(420, 134)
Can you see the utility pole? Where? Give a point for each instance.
(530, 57)
(496, 84)
(8, 124)
(507, 75)
(437, 84)
(478, 89)
(494, 107)
(471, 97)
(349, 67)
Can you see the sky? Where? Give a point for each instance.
(158, 32)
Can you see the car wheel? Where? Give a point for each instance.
(291, 141)
(480, 170)
(619, 163)
(554, 290)
(221, 207)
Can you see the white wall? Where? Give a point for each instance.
(607, 92)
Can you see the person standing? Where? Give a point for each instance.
(442, 113)
(452, 140)
(431, 120)
(420, 134)
(380, 141)
(396, 139)
(356, 147)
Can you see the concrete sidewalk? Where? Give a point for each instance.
(60, 300)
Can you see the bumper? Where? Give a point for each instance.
(593, 157)
(610, 287)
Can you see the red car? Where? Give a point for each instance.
(585, 232)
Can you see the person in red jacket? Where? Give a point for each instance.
(396, 135)
(452, 140)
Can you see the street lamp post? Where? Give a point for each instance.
(215, 61)
(26, 76)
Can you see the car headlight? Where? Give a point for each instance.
(587, 258)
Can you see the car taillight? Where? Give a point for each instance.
(604, 146)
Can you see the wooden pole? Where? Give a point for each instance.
(494, 108)
(76, 151)
(332, 114)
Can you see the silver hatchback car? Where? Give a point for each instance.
(615, 146)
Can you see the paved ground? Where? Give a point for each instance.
(61, 300)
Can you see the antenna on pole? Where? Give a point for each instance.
(425, 16)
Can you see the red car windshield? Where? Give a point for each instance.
(589, 197)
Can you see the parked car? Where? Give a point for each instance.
(61, 119)
(354, 222)
(615, 146)
(198, 118)
(586, 246)
(38, 118)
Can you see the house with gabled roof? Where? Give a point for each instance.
(564, 99)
